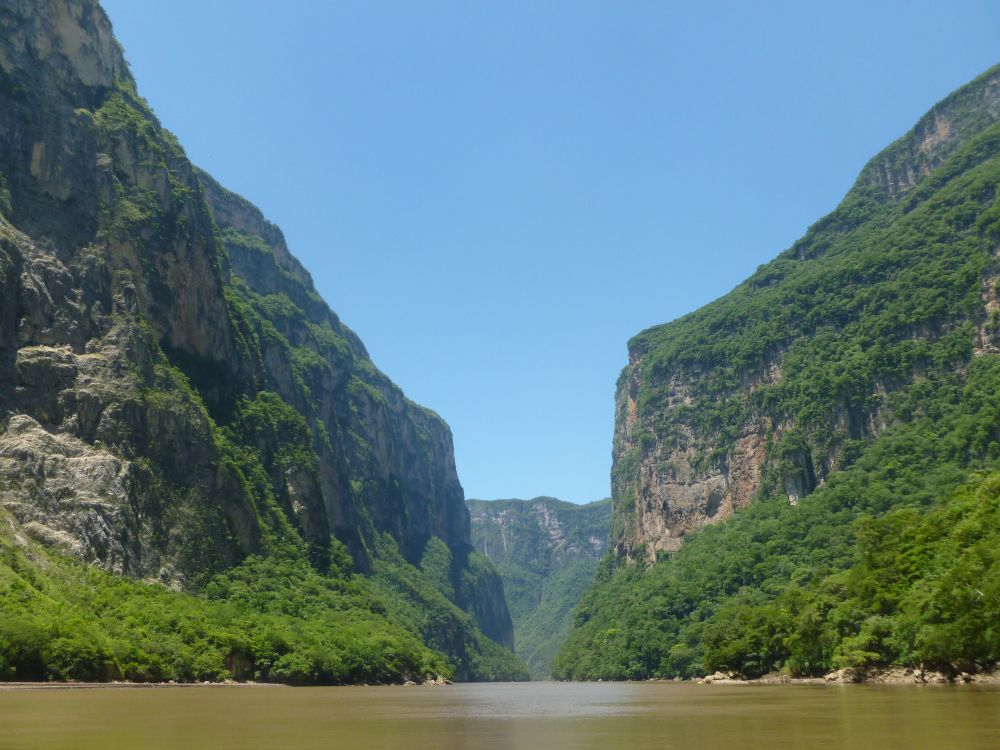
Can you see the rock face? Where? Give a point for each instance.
(547, 552)
(934, 138)
(540, 532)
(399, 455)
(707, 419)
(174, 394)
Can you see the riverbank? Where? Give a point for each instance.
(873, 676)
(5, 686)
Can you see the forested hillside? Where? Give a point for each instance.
(202, 473)
(546, 551)
(805, 470)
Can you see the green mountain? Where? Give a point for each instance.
(806, 470)
(202, 474)
(546, 551)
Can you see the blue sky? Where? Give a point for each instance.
(497, 195)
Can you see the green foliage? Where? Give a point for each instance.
(543, 581)
(273, 619)
(892, 561)
(853, 310)
(270, 619)
(126, 115)
(539, 633)
(125, 124)
(277, 431)
(864, 327)
(251, 242)
(414, 599)
(436, 564)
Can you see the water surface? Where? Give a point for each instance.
(541, 716)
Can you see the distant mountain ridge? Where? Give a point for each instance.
(546, 551)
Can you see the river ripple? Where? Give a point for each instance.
(540, 716)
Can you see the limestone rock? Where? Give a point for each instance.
(145, 312)
(696, 436)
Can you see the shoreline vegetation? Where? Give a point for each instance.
(274, 620)
(124, 684)
(845, 676)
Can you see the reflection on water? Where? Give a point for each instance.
(545, 716)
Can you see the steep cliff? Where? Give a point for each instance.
(775, 448)
(546, 552)
(773, 386)
(176, 396)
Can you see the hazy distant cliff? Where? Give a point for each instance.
(174, 394)
(546, 551)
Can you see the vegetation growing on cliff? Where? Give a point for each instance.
(893, 561)
(855, 307)
(415, 598)
(890, 387)
(268, 619)
(188, 410)
(546, 552)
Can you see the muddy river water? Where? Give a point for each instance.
(541, 716)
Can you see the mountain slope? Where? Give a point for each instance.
(546, 551)
(176, 397)
(849, 385)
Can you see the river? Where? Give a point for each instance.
(540, 716)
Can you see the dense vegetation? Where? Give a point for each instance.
(539, 635)
(422, 600)
(178, 404)
(269, 619)
(894, 560)
(875, 317)
(879, 290)
(545, 552)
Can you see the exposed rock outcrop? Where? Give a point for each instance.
(704, 422)
(934, 138)
(174, 394)
(547, 552)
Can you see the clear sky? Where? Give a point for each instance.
(497, 195)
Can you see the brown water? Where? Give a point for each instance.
(541, 716)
